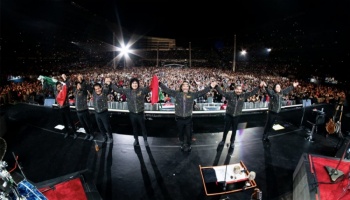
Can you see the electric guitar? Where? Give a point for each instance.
(330, 125)
(338, 124)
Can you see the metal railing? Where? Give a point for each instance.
(123, 106)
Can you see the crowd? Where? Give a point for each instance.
(35, 91)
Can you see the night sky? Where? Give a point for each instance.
(182, 21)
(316, 28)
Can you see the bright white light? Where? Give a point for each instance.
(243, 52)
(268, 49)
(124, 50)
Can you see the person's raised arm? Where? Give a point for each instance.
(64, 77)
(205, 90)
(269, 92)
(167, 90)
(66, 80)
(254, 91)
(220, 91)
(289, 88)
(108, 82)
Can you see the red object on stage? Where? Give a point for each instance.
(154, 87)
(68, 190)
(61, 96)
(328, 189)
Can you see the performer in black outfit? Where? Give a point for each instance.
(136, 106)
(64, 108)
(234, 109)
(275, 105)
(183, 110)
(81, 106)
(101, 111)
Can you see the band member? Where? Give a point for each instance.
(100, 105)
(81, 93)
(276, 97)
(63, 106)
(184, 99)
(234, 109)
(136, 105)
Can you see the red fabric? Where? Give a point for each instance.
(72, 189)
(154, 87)
(333, 190)
(61, 96)
(223, 107)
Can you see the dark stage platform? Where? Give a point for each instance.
(162, 171)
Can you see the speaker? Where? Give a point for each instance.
(304, 182)
(344, 149)
(70, 186)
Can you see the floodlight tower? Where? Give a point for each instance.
(234, 55)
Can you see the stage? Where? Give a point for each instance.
(162, 171)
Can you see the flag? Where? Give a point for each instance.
(47, 81)
(155, 89)
(61, 96)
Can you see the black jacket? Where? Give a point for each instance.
(81, 96)
(235, 102)
(276, 99)
(184, 101)
(135, 98)
(100, 102)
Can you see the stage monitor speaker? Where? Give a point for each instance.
(342, 150)
(82, 181)
(304, 182)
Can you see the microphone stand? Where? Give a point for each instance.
(19, 166)
(334, 173)
(302, 118)
(224, 187)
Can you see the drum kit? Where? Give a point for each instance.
(9, 189)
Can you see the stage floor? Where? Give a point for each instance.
(160, 171)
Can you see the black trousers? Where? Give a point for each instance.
(271, 118)
(84, 119)
(103, 123)
(184, 125)
(138, 121)
(67, 119)
(230, 121)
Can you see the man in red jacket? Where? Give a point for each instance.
(63, 105)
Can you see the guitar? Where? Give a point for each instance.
(338, 124)
(330, 125)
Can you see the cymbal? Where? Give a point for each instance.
(3, 147)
